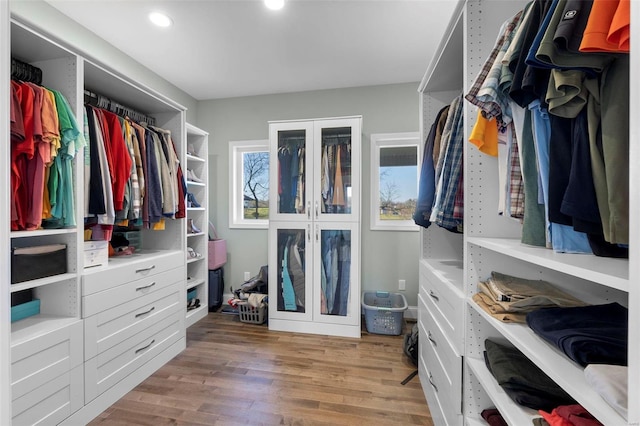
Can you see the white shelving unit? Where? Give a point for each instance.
(451, 265)
(101, 330)
(197, 271)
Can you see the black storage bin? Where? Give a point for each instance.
(30, 263)
(216, 288)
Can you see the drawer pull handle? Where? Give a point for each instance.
(431, 382)
(145, 269)
(430, 337)
(433, 295)
(145, 313)
(145, 347)
(308, 209)
(145, 286)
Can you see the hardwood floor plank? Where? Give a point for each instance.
(233, 373)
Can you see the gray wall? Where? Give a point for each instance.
(386, 255)
(41, 15)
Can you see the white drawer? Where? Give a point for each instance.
(39, 360)
(447, 386)
(445, 303)
(129, 268)
(109, 367)
(112, 326)
(117, 295)
(434, 399)
(52, 402)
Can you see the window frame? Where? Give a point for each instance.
(237, 149)
(390, 140)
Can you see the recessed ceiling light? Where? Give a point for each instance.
(274, 4)
(160, 19)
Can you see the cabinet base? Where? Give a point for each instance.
(315, 328)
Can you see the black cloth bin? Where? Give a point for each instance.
(216, 289)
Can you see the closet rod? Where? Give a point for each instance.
(23, 71)
(302, 138)
(101, 101)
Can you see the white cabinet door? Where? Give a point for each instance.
(290, 273)
(291, 152)
(336, 173)
(336, 269)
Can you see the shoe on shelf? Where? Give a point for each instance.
(192, 254)
(192, 176)
(192, 229)
(191, 200)
(191, 150)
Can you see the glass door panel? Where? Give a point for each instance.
(336, 292)
(291, 171)
(335, 268)
(335, 174)
(290, 272)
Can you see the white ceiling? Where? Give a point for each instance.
(230, 48)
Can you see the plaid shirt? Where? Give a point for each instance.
(451, 171)
(491, 106)
(516, 185)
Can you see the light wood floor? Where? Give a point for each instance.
(236, 373)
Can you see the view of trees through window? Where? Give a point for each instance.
(256, 185)
(398, 182)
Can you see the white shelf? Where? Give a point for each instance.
(513, 413)
(193, 183)
(609, 272)
(446, 270)
(562, 370)
(37, 325)
(195, 159)
(194, 283)
(42, 232)
(196, 234)
(196, 209)
(195, 259)
(42, 281)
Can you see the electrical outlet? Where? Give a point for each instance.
(402, 285)
(247, 276)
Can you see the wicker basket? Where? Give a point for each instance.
(252, 315)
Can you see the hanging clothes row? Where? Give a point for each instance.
(132, 174)
(334, 272)
(104, 102)
(291, 177)
(291, 278)
(335, 176)
(45, 139)
(553, 99)
(440, 194)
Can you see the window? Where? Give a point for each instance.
(394, 181)
(249, 192)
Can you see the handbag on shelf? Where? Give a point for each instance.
(217, 249)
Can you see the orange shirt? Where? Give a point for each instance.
(484, 135)
(607, 29)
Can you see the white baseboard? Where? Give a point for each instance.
(411, 313)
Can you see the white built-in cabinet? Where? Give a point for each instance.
(452, 371)
(103, 329)
(197, 214)
(314, 226)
